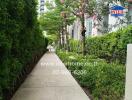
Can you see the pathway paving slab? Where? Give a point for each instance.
(50, 80)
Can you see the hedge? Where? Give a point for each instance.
(104, 81)
(20, 40)
(111, 46)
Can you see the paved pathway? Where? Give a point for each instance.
(50, 80)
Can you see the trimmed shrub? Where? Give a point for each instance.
(20, 40)
(112, 46)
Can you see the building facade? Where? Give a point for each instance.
(41, 6)
(75, 30)
(95, 27)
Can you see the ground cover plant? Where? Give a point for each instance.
(105, 81)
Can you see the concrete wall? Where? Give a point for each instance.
(128, 91)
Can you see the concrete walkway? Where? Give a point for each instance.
(50, 80)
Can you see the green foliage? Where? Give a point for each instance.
(105, 81)
(112, 46)
(75, 46)
(52, 21)
(20, 39)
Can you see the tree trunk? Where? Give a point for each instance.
(84, 36)
(67, 36)
(83, 26)
(62, 36)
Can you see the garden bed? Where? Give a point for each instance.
(103, 80)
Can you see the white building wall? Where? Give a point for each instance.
(75, 30)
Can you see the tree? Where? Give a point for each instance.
(79, 8)
(53, 22)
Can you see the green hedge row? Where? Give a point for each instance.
(105, 81)
(20, 40)
(112, 46)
